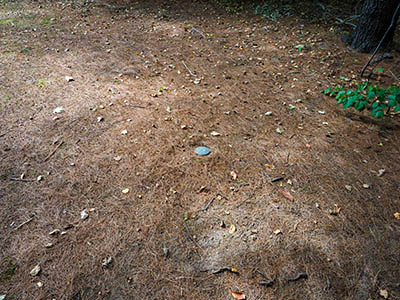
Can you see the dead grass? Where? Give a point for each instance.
(162, 243)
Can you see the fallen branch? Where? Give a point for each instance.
(187, 68)
(52, 152)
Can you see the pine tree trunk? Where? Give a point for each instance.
(376, 16)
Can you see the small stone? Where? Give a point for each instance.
(63, 233)
(125, 191)
(99, 119)
(35, 271)
(268, 113)
(321, 112)
(49, 245)
(124, 132)
(366, 186)
(348, 187)
(278, 231)
(197, 81)
(118, 158)
(39, 284)
(214, 133)
(84, 214)
(69, 78)
(39, 178)
(317, 205)
(278, 130)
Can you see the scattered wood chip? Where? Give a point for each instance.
(35, 271)
(226, 269)
(286, 194)
(238, 295)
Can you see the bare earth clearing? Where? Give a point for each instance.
(139, 214)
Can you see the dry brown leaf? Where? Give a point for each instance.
(286, 194)
(238, 295)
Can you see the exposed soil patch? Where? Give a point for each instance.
(288, 205)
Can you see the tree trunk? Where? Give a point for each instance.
(376, 16)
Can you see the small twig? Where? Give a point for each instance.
(199, 31)
(22, 179)
(394, 76)
(187, 68)
(23, 223)
(287, 157)
(208, 204)
(52, 152)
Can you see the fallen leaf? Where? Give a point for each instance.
(286, 194)
(238, 295)
(234, 175)
(397, 215)
(125, 191)
(384, 293)
(232, 229)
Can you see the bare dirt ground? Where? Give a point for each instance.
(291, 185)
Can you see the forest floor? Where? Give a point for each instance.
(102, 105)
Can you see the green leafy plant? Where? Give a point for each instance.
(366, 96)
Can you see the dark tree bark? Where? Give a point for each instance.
(376, 16)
